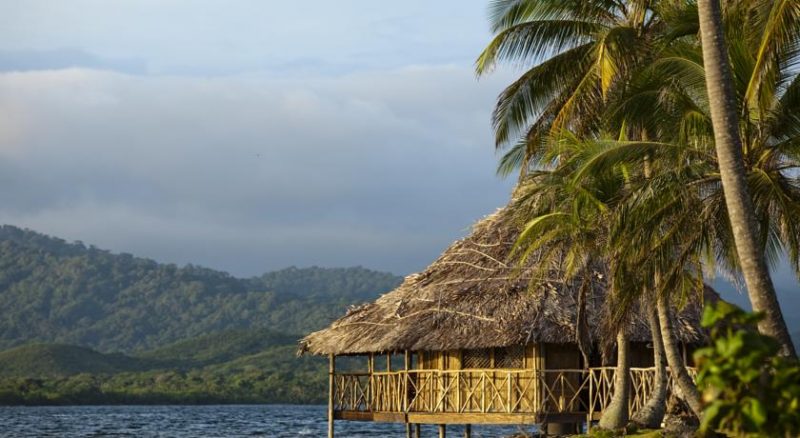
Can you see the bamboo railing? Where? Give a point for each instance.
(509, 391)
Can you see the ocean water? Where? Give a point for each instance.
(201, 421)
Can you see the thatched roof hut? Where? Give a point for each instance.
(484, 340)
(474, 296)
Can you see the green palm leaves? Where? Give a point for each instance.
(580, 50)
(635, 69)
(610, 125)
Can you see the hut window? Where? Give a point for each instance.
(509, 357)
(476, 359)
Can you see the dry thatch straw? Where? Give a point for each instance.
(474, 296)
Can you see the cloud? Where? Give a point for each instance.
(252, 172)
(62, 58)
(209, 37)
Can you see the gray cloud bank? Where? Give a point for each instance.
(251, 173)
(62, 58)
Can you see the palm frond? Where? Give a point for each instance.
(533, 92)
(782, 27)
(535, 40)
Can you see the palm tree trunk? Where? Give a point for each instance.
(615, 415)
(687, 388)
(732, 171)
(652, 413)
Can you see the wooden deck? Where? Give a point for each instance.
(487, 396)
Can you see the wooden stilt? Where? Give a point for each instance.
(442, 431)
(331, 371)
(417, 431)
(467, 431)
(408, 430)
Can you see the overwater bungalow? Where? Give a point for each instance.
(473, 339)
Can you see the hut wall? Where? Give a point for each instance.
(641, 355)
(563, 385)
(562, 356)
(484, 375)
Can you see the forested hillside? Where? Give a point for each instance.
(236, 366)
(57, 360)
(55, 291)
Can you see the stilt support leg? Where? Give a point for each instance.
(331, 372)
(442, 431)
(468, 431)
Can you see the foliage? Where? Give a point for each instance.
(53, 360)
(598, 432)
(217, 347)
(261, 381)
(54, 291)
(659, 101)
(189, 334)
(748, 389)
(240, 366)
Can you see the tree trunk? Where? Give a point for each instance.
(615, 415)
(685, 385)
(732, 172)
(652, 413)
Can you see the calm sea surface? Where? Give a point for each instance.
(199, 421)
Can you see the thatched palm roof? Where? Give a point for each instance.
(473, 296)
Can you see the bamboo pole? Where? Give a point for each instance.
(508, 386)
(371, 380)
(467, 431)
(417, 430)
(407, 364)
(331, 371)
(442, 431)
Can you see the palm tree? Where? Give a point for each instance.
(667, 102)
(591, 48)
(566, 225)
(652, 413)
(582, 51)
(643, 242)
(670, 100)
(723, 106)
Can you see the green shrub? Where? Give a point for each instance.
(748, 389)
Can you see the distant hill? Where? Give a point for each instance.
(59, 292)
(58, 360)
(55, 360)
(239, 366)
(219, 348)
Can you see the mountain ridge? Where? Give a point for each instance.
(55, 291)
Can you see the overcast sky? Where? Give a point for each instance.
(250, 135)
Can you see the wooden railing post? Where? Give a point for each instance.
(591, 399)
(331, 383)
(371, 382)
(407, 365)
(508, 400)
